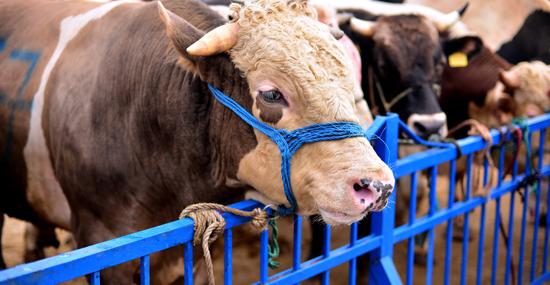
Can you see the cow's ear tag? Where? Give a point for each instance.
(458, 59)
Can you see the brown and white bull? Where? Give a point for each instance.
(95, 109)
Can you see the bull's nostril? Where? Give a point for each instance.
(356, 187)
(419, 128)
(425, 129)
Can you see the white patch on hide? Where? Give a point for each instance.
(43, 190)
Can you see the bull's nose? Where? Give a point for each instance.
(425, 129)
(371, 194)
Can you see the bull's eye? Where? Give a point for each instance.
(439, 67)
(272, 96)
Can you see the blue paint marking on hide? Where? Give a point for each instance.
(19, 104)
(2, 44)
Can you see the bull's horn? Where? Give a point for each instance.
(216, 41)
(362, 27)
(445, 22)
(336, 33)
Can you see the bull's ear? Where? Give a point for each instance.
(183, 36)
(181, 33)
(469, 45)
(216, 41)
(510, 79)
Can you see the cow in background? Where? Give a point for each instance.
(529, 85)
(466, 90)
(402, 62)
(496, 22)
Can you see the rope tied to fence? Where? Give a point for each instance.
(477, 128)
(531, 179)
(209, 225)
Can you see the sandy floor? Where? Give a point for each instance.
(246, 250)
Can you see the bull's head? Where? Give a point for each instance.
(297, 75)
(405, 62)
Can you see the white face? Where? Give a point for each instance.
(341, 180)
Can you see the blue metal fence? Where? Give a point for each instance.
(380, 243)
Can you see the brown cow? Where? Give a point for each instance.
(130, 133)
(402, 59)
(465, 91)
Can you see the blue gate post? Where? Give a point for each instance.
(382, 269)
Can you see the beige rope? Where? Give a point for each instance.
(477, 128)
(209, 225)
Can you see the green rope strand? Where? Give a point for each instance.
(275, 252)
(522, 123)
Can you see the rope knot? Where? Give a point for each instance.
(209, 225)
(259, 219)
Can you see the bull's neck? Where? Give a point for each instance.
(194, 141)
(205, 138)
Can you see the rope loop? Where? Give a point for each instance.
(478, 168)
(209, 225)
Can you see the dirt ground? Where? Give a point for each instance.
(247, 246)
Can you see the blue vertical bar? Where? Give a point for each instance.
(297, 249)
(144, 268)
(497, 217)
(535, 234)
(264, 256)
(412, 218)
(482, 225)
(528, 171)
(431, 212)
(466, 234)
(495, 243)
(228, 256)
(537, 208)
(546, 231)
(188, 263)
(297, 242)
(481, 244)
(509, 241)
(449, 233)
(326, 253)
(383, 222)
(94, 278)
(352, 278)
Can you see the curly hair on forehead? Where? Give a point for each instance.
(534, 83)
(286, 35)
(255, 12)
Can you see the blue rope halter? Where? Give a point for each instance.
(289, 142)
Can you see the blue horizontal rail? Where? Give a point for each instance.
(319, 264)
(469, 145)
(107, 254)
